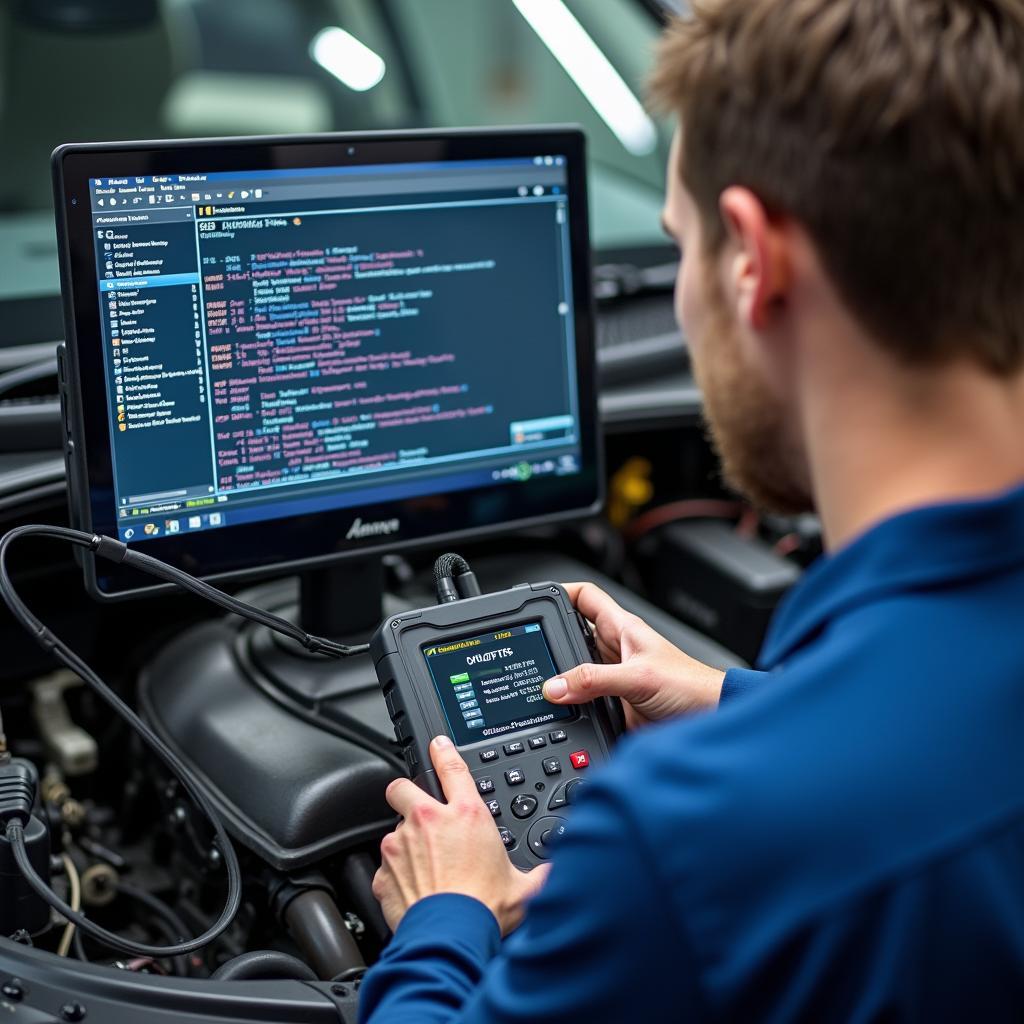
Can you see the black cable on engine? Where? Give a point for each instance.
(105, 547)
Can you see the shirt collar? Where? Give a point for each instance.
(922, 547)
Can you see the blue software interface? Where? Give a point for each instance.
(294, 341)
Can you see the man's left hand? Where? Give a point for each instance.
(449, 847)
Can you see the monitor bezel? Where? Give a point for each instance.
(299, 543)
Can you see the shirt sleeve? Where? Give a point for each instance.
(739, 681)
(591, 947)
(433, 963)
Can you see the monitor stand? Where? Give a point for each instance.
(346, 602)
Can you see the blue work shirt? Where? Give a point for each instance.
(843, 842)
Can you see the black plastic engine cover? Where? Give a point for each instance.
(292, 792)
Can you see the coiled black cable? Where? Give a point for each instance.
(106, 547)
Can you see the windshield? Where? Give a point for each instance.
(93, 70)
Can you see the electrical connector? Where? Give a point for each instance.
(17, 792)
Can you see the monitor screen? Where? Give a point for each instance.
(490, 684)
(347, 340)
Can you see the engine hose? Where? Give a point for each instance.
(357, 873)
(264, 965)
(319, 930)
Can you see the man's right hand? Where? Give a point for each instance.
(654, 679)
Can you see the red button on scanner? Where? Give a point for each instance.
(579, 758)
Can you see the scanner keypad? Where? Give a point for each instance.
(524, 805)
(529, 787)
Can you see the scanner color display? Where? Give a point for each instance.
(490, 684)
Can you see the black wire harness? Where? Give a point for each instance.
(106, 547)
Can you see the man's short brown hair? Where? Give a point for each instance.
(893, 131)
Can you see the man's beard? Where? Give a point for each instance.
(745, 420)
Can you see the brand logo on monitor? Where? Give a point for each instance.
(381, 528)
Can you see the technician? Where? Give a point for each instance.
(844, 838)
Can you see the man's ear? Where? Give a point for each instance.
(759, 273)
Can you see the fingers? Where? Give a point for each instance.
(601, 608)
(525, 886)
(591, 600)
(533, 880)
(403, 795)
(452, 772)
(589, 681)
(385, 891)
(456, 782)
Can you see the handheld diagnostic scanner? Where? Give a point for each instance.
(474, 669)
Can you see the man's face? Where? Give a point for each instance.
(755, 437)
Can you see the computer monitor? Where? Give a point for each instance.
(285, 351)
